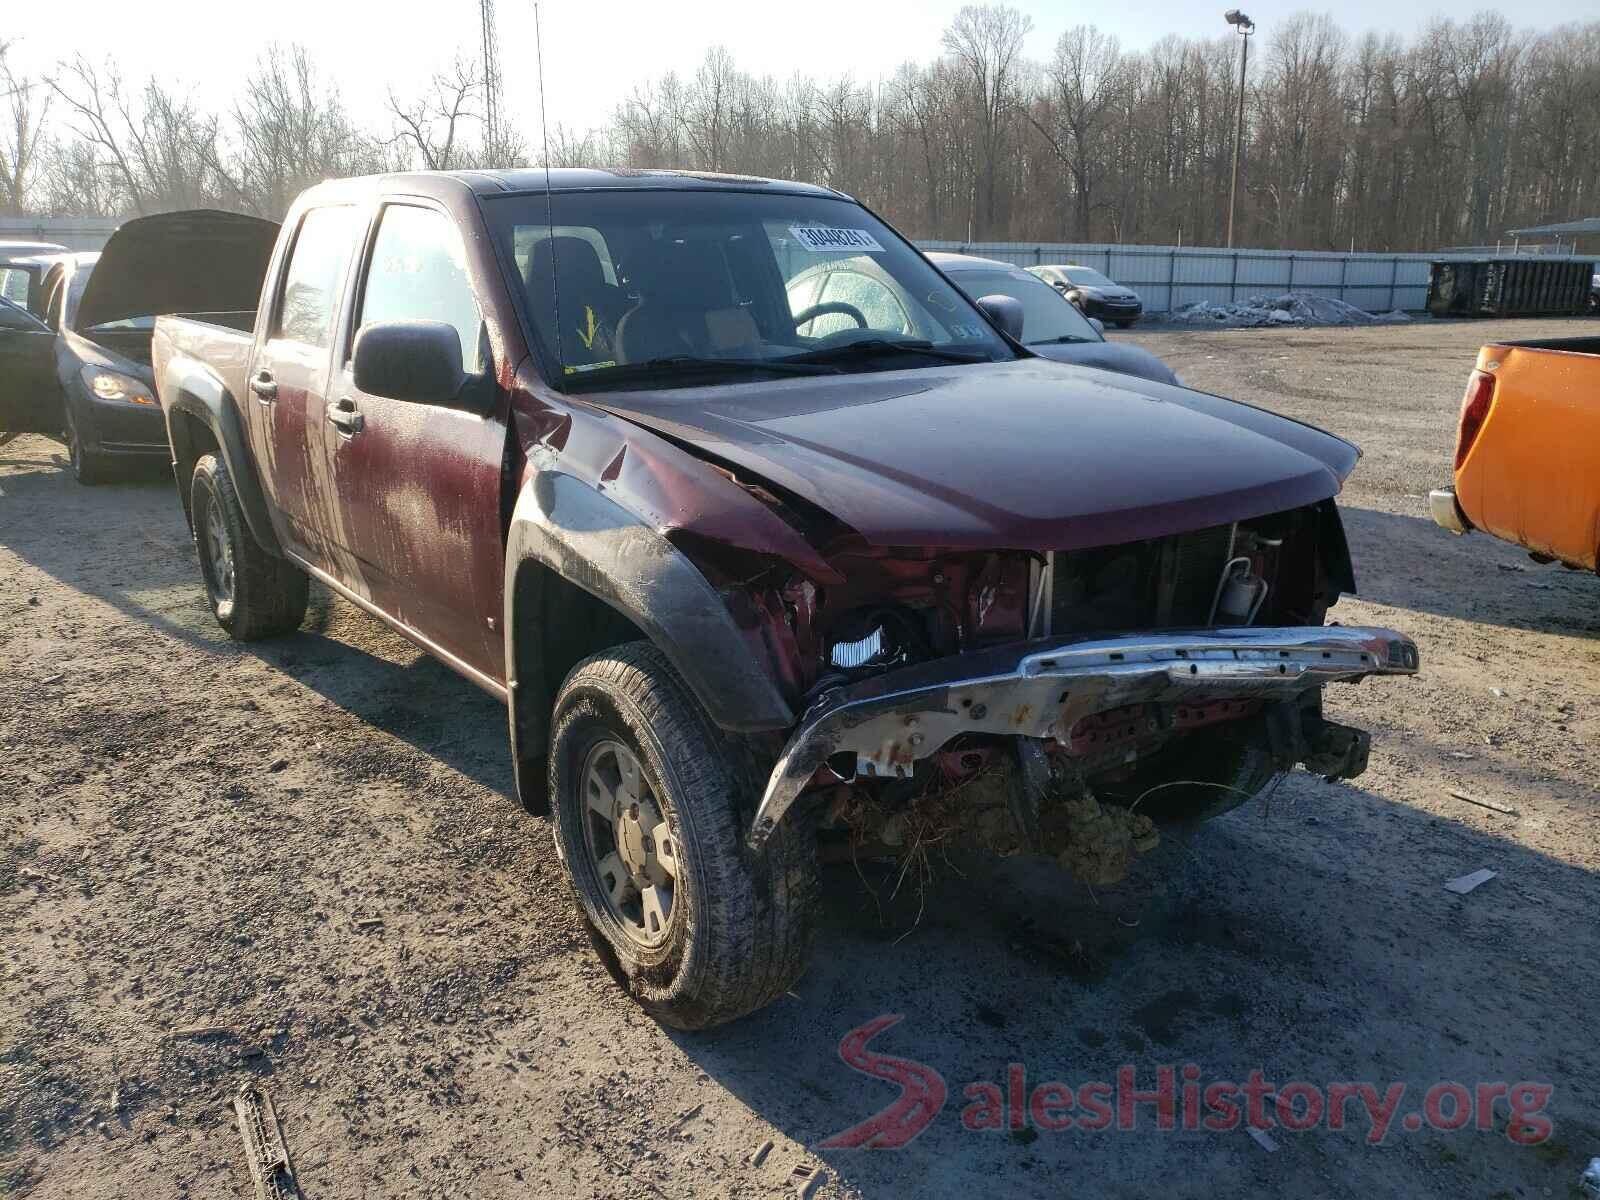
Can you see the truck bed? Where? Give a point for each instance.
(1530, 472)
(216, 343)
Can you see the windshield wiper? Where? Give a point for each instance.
(870, 346)
(694, 362)
(1056, 341)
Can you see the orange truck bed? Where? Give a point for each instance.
(1527, 462)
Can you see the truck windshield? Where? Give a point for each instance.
(659, 288)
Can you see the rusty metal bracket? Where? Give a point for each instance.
(265, 1152)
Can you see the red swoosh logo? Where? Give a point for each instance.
(922, 1092)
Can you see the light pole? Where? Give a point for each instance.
(1244, 27)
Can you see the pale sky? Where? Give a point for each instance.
(596, 50)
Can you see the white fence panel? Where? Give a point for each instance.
(1169, 277)
(75, 233)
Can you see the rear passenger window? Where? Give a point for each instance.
(419, 273)
(315, 274)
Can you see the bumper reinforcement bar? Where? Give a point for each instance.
(1041, 689)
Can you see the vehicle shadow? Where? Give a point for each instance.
(1310, 939)
(389, 684)
(1409, 562)
(143, 564)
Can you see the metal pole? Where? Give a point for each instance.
(1238, 134)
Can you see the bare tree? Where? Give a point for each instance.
(156, 146)
(707, 108)
(647, 125)
(1386, 143)
(26, 105)
(99, 116)
(986, 44)
(289, 131)
(1081, 83)
(434, 123)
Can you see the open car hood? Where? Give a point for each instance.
(200, 260)
(1027, 455)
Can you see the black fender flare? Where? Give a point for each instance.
(200, 395)
(568, 527)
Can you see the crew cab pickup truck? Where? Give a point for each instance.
(1527, 458)
(744, 589)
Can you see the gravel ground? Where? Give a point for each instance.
(307, 848)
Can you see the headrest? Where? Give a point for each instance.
(575, 259)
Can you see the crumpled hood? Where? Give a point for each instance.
(1028, 455)
(199, 260)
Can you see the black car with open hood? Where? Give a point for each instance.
(100, 309)
(200, 260)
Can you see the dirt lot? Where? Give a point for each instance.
(309, 847)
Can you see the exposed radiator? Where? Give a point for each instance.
(1162, 583)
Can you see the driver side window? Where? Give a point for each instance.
(873, 299)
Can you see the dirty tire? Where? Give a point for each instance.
(268, 594)
(740, 929)
(88, 468)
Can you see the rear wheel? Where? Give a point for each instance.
(650, 802)
(253, 594)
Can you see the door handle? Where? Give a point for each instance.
(264, 387)
(343, 413)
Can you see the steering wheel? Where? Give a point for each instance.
(831, 306)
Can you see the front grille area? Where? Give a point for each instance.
(1162, 583)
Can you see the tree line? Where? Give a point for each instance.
(1383, 143)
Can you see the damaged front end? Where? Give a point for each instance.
(1065, 703)
(1094, 707)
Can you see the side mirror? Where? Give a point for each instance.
(1099, 325)
(1004, 312)
(417, 361)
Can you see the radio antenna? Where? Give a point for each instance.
(549, 211)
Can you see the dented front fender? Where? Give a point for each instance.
(567, 527)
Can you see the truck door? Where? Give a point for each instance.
(288, 380)
(30, 398)
(417, 486)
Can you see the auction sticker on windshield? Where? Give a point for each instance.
(813, 237)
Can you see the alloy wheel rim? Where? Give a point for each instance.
(632, 849)
(220, 552)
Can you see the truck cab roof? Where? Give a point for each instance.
(561, 179)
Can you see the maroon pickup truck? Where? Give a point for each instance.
(753, 578)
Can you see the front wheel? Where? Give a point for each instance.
(650, 803)
(1123, 324)
(253, 594)
(88, 467)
